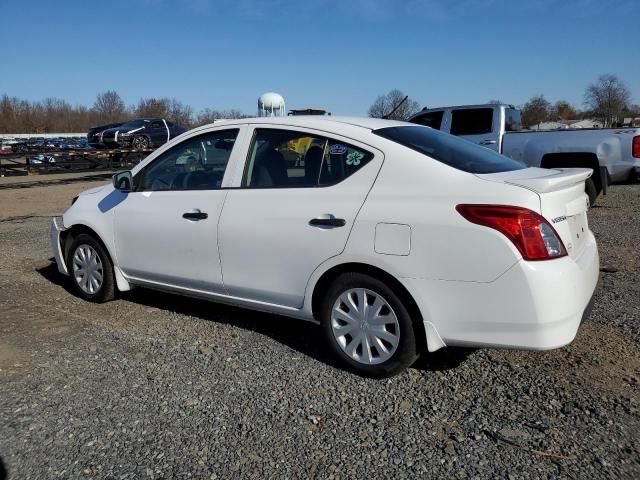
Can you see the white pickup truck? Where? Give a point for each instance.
(612, 153)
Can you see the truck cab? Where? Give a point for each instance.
(612, 153)
(481, 124)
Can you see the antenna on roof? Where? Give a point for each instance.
(386, 117)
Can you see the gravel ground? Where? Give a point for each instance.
(44, 195)
(157, 386)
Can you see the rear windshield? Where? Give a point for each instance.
(453, 151)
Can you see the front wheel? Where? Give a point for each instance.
(591, 191)
(90, 269)
(367, 326)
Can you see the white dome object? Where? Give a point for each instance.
(271, 104)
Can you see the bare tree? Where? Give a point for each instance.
(209, 115)
(180, 113)
(385, 104)
(109, 107)
(152, 107)
(9, 109)
(535, 111)
(563, 110)
(168, 108)
(607, 98)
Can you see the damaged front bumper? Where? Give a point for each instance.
(57, 227)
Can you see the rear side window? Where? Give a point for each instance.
(512, 120)
(430, 119)
(471, 121)
(452, 151)
(286, 158)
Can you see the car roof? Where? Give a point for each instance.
(316, 121)
(460, 107)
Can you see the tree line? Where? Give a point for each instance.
(607, 100)
(53, 115)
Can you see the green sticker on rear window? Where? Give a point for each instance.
(354, 157)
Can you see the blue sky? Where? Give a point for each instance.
(339, 54)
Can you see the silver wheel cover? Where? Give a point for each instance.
(365, 326)
(87, 269)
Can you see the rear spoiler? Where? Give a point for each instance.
(566, 177)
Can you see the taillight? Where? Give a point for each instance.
(532, 235)
(635, 148)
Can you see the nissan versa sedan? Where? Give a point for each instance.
(395, 238)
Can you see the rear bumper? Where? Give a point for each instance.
(56, 245)
(534, 305)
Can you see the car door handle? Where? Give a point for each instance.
(327, 221)
(195, 215)
(488, 142)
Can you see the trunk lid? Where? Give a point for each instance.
(563, 201)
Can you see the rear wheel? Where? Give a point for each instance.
(140, 142)
(591, 191)
(367, 326)
(90, 269)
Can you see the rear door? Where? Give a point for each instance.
(300, 193)
(478, 125)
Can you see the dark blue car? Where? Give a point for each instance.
(142, 133)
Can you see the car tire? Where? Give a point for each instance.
(90, 269)
(140, 142)
(591, 191)
(377, 345)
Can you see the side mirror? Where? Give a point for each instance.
(123, 181)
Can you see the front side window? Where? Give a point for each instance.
(285, 158)
(430, 119)
(455, 152)
(198, 163)
(471, 121)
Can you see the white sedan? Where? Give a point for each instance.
(394, 237)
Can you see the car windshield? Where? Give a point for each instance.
(135, 124)
(450, 150)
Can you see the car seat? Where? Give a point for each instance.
(312, 165)
(269, 170)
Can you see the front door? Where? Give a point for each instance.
(166, 230)
(299, 197)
